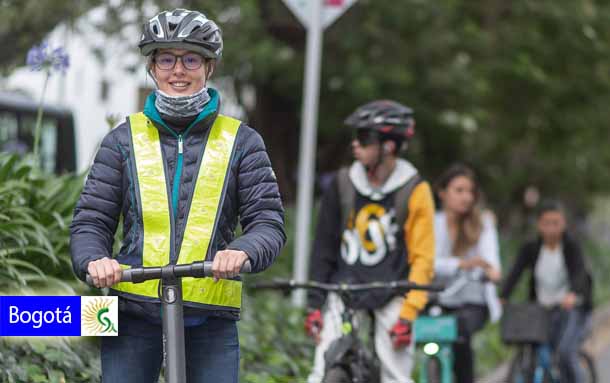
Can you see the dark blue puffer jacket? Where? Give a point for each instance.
(252, 194)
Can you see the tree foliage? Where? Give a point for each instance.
(24, 23)
(516, 89)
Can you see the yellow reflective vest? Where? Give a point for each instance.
(203, 211)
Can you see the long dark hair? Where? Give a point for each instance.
(470, 224)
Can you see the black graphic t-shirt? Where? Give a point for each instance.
(369, 247)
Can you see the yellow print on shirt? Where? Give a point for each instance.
(369, 235)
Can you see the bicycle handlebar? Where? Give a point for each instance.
(200, 269)
(284, 284)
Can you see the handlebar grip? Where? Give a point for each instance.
(207, 268)
(204, 269)
(126, 276)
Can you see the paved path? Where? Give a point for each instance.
(599, 343)
(603, 366)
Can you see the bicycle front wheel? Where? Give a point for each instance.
(337, 375)
(522, 368)
(434, 370)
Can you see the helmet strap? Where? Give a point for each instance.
(152, 76)
(210, 65)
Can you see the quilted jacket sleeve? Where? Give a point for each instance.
(97, 212)
(259, 204)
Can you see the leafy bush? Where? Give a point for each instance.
(274, 347)
(35, 213)
(55, 360)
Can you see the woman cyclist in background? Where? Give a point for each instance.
(560, 280)
(467, 261)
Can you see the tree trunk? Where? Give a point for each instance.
(276, 119)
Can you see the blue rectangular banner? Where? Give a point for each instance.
(58, 316)
(40, 316)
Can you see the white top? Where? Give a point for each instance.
(401, 174)
(462, 286)
(551, 275)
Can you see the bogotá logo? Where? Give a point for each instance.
(99, 316)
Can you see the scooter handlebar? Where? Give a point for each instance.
(195, 269)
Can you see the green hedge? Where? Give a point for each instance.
(55, 360)
(35, 214)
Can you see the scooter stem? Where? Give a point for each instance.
(173, 330)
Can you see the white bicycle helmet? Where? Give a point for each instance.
(182, 29)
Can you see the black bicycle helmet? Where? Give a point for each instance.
(182, 29)
(389, 118)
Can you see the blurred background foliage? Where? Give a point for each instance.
(516, 89)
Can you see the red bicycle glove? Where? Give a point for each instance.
(314, 323)
(401, 333)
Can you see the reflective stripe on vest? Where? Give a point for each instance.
(205, 207)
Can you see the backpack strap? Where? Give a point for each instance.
(401, 199)
(347, 193)
(347, 196)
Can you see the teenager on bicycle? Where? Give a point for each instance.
(180, 175)
(560, 280)
(467, 261)
(375, 224)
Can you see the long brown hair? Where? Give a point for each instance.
(469, 224)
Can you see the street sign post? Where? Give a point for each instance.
(315, 16)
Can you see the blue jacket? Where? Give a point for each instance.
(252, 195)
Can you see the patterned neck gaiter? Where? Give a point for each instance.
(181, 106)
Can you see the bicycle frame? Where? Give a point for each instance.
(349, 345)
(172, 304)
(437, 332)
(345, 292)
(533, 361)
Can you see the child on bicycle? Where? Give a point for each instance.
(375, 224)
(467, 261)
(560, 280)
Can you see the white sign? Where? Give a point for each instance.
(331, 12)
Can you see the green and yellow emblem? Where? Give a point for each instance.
(96, 317)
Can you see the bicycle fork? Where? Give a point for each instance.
(443, 353)
(534, 362)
